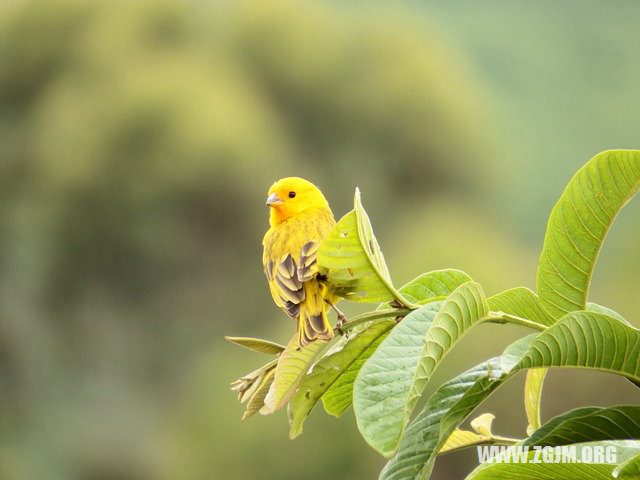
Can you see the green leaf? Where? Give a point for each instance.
(439, 283)
(465, 307)
(578, 225)
(559, 464)
(524, 303)
(293, 363)
(594, 307)
(588, 339)
(338, 397)
(381, 389)
(351, 259)
(329, 369)
(424, 288)
(589, 424)
(392, 380)
(257, 345)
(521, 302)
(581, 339)
(532, 397)
(630, 468)
(447, 408)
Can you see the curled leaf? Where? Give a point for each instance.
(351, 259)
(482, 424)
(253, 387)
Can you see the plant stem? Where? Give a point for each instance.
(493, 317)
(493, 440)
(501, 317)
(497, 440)
(376, 314)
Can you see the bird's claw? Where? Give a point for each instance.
(341, 321)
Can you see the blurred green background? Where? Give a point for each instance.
(137, 143)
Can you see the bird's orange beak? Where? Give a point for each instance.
(273, 199)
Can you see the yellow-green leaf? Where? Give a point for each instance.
(329, 369)
(257, 399)
(461, 439)
(532, 397)
(351, 259)
(482, 424)
(293, 363)
(257, 345)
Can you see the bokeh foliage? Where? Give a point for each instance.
(138, 139)
(137, 142)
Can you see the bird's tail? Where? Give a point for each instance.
(311, 327)
(313, 322)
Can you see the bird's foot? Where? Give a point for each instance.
(341, 320)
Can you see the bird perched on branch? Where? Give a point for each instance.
(300, 219)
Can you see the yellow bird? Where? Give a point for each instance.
(300, 219)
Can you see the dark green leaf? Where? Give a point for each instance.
(340, 394)
(391, 381)
(381, 389)
(581, 339)
(559, 464)
(589, 424)
(329, 369)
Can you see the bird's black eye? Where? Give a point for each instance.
(292, 194)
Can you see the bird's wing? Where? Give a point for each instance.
(307, 263)
(286, 288)
(289, 258)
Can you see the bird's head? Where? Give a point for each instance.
(292, 196)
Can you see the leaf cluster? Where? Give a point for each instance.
(383, 365)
